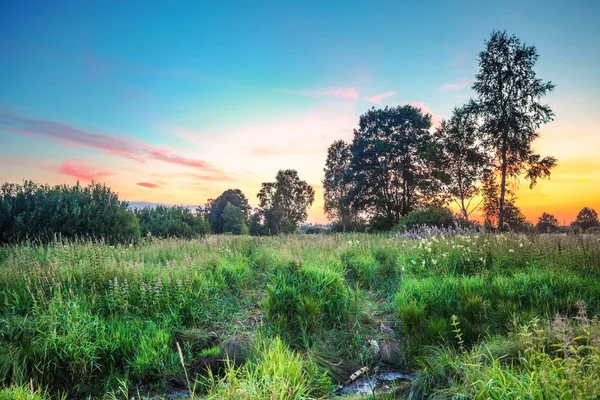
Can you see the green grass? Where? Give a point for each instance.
(85, 318)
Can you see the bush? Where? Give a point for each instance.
(41, 213)
(177, 221)
(434, 216)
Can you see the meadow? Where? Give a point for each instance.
(470, 316)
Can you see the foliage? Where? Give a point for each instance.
(337, 185)
(284, 203)
(586, 218)
(276, 372)
(41, 213)
(547, 223)
(233, 219)
(177, 221)
(434, 216)
(214, 208)
(508, 94)
(94, 319)
(393, 166)
(465, 160)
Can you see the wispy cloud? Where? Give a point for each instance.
(377, 98)
(148, 185)
(125, 147)
(75, 167)
(457, 85)
(344, 92)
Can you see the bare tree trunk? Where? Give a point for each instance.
(502, 190)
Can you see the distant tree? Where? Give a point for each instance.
(176, 221)
(508, 94)
(337, 186)
(514, 219)
(256, 226)
(586, 218)
(214, 208)
(490, 192)
(284, 203)
(233, 219)
(393, 168)
(465, 160)
(547, 223)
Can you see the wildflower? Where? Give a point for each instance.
(520, 244)
(403, 269)
(511, 251)
(434, 261)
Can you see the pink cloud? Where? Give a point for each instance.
(377, 98)
(75, 167)
(148, 185)
(348, 93)
(125, 147)
(458, 85)
(435, 121)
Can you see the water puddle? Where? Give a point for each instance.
(378, 383)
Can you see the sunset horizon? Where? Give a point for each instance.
(172, 106)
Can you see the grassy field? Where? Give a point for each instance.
(478, 316)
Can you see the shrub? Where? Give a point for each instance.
(177, 221)
(434, 216)
(43, 213)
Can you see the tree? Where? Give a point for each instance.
(587, 218)
(508, 102)
(214, 208)
(465, 159)
(284, 203)
(336, 185)
(547, 223)
(393, 168)
(233, 218)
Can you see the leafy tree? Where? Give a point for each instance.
(465, 159)
(547, 223)
(232, 217)
(587, 218)
(256, 227)
(337, 186)
(284, 203)
(508, 102)
(214, 208)
(393, 166)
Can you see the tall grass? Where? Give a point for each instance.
(88, 318)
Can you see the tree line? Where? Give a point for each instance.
(397, 162)
(42, 213)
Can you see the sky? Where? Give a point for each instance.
(175, 102)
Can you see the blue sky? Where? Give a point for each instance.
(197, 97)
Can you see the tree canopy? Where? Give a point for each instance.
(465, 159)
(508, 105)
(395, 163)
(284, 203)
(547, 223)
(587, 218)
(214, 208)
(337, 184)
